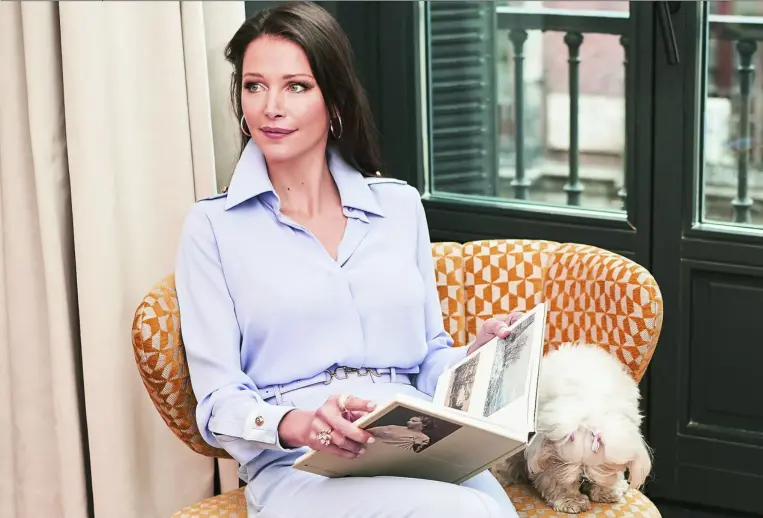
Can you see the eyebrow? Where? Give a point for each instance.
(285, 76)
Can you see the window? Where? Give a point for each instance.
(525, 103)
(730, 186)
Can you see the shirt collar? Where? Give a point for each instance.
(250, 179)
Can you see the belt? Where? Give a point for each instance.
(339, 373)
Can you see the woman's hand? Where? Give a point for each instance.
(330, 428)
(496, 326)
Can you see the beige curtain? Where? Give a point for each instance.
(114, 117)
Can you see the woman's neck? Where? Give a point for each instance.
(304, 185)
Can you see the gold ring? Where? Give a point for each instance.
(342, 402)
(324, 436)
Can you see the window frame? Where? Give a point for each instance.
(459, 218)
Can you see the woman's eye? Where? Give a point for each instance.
(297, 88)
(253, 87)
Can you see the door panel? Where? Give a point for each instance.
(726, 302)
(706, 408)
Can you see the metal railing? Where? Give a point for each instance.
(745, 31)
(517, 21)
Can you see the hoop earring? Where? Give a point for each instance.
(242, 127)
(341, 127)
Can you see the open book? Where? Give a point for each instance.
(483, 410)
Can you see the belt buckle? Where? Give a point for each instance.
(344, 370)
(342, 373)
(360, 371)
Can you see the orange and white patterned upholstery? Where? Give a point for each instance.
(598, 296)
(529, 505)
(160, 356)
(594, 295)
(503, 276)
(227, 505)
(449, 275)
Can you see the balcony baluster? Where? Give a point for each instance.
(519, 183)
(623, 192)
(742, 202)
(574, 187)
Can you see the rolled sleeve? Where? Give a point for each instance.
(441, 355)
(230, 413)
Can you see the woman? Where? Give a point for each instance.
(311, 265)
(408, 437)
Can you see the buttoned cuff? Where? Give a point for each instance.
(260, 426)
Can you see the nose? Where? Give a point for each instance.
(274, 108)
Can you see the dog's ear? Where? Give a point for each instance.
(641, 465)
(537, 453)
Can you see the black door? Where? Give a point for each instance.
(706, 412)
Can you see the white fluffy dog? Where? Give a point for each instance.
(588, 432)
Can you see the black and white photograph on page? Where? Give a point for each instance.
(459, 392)
(508, 377)
(410, 429)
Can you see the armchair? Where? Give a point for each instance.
(595, 295)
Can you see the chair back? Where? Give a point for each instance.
(594, 295)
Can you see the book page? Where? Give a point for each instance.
(464, 386)
(418, 439)
(512, 392)
(534, 375)
(496, 381)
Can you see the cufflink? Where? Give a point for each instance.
(259, 420)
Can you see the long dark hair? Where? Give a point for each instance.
(331, 60)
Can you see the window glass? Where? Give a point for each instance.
(525, 102)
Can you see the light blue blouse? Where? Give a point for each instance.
(262, 303)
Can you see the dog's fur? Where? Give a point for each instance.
(584, 393)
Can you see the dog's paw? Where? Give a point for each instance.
(609, 495)
(574, 503)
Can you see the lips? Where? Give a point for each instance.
(276, 133)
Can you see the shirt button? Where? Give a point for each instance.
(259, 420)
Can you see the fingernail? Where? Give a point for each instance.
(503, 329)
(371, 440)
(371, 406)
(362, 451)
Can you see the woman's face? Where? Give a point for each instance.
(284, 108)
(415, 423)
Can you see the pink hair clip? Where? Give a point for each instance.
(596, 441)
